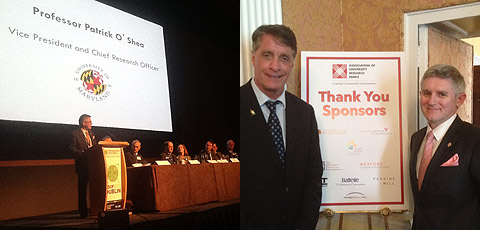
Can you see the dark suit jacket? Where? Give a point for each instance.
(130, 158)
(203, 156)
(449, 197)
(78, 145)
(273, 197)
(171, 158)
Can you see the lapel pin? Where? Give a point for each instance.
(449, 144)
(252, 112)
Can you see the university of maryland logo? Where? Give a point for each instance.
(93, 82)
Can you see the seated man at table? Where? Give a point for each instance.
(167, 153)
(133, 156)
(207, 153)
(218, 155)
(231, 153)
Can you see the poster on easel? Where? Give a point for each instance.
(357, 97)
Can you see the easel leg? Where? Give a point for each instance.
(385, 212)
(329, 215)
(340, 222)
(369, 216)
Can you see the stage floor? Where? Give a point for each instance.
(213, 215)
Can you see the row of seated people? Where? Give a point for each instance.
(180, 155)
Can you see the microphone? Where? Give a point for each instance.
(111, 135)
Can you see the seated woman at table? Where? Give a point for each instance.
(182, 154)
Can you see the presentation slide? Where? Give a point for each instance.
(61, 59)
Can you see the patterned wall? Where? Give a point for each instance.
(443, 49)
(350, 25)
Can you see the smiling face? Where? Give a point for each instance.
(273, 63)
(438, 100)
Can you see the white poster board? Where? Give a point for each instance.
(357, 97)
(82, 56)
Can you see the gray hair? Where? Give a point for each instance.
(446, 72)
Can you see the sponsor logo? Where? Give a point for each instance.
(350, 181)
(333, 131)
(357, 70)
(353, 148)
(385, 180)
(324, 181)
(352, 74)
(329, 166)
(355, 195)
(384, 131)
(373, 164)
(339, 71)
(92, 82)
(351, 145)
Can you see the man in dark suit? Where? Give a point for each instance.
(231, 153)
(281, 165)
(82, 139)
(218, 155)
(445, 157)
(167, 153)
(207, 154)
(133, 156)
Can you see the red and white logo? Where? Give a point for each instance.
(339, 71)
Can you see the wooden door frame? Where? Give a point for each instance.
(411, 24)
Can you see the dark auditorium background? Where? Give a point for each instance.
(201, 41)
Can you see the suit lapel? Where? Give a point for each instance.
(291, 130)
(257, 120)
(82, 138)
(444, 151)
(416, 143)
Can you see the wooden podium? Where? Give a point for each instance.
(107, 176)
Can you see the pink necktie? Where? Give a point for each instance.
(427, 156)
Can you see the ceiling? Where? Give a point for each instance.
(460, 28)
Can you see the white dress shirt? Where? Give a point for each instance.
(280, 109)
(438, 133)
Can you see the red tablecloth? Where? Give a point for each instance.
(169, 187)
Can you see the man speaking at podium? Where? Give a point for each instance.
(82, 139)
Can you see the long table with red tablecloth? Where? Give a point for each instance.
(166, 187)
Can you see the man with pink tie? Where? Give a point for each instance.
(445, 156)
